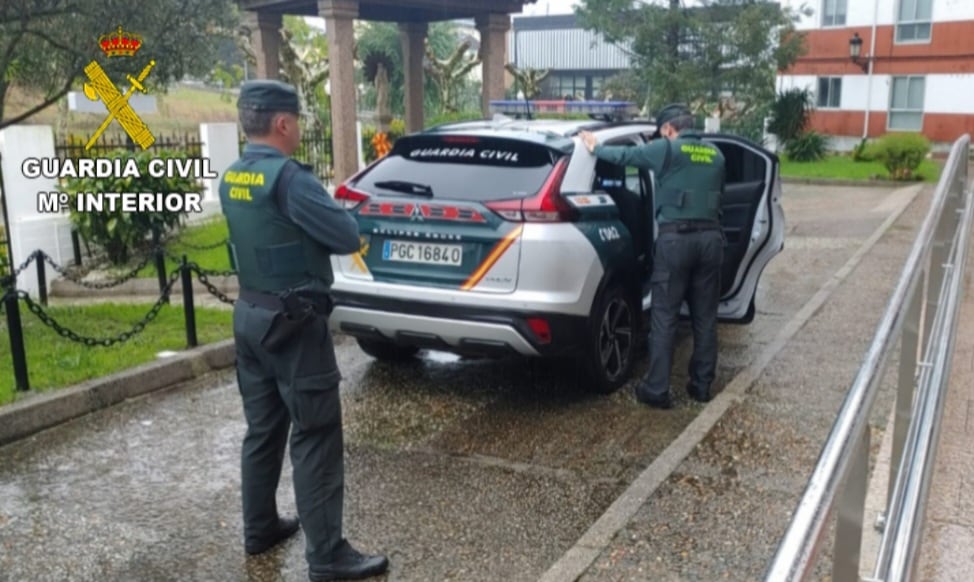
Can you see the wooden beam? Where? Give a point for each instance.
(396, 10)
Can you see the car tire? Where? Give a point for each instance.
(386, 350)
(610, 348)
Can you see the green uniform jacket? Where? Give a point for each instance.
(284, 241)
(689, 174)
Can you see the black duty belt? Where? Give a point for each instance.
(685, 226)
(276, 302)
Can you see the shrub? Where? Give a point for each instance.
(810, 146)
(448, 117)
(117, 232)
(790, 114)
(864, 152)
(902, 154)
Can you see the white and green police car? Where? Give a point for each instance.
(507, 237)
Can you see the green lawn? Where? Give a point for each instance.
(844, 168)
(56, 362)
(195, 242)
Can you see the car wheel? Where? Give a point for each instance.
(385, 350)
(611, 346)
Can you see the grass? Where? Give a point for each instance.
(838, 167)
(55, 362)
(191, 238)
(180, 110)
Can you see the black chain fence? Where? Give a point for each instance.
(64, 332)
(11, 298)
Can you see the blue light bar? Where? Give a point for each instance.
(612, 109)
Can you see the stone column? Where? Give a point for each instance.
(339, 18)
(493, 29)
(413, 38)
(221, 145)
(265, 34)
(34, 225)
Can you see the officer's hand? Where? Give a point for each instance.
(589, 139)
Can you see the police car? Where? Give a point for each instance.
(507, 237)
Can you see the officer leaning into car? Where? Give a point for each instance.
(283, 228)
(688, 252)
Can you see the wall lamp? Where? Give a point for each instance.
(855, 52)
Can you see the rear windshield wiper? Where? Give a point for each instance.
(413, 188)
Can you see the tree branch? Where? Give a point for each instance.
(58, 45)
(50, 100)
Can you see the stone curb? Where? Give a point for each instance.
(148, 287)
(44, 410)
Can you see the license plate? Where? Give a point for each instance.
(425, 253)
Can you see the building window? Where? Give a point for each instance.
(829, 92)
(833, 12)
(913, 21)
(906, 103)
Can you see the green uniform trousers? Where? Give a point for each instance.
(297, 388)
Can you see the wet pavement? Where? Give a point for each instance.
(476, 470)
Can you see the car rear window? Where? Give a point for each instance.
(464, 167)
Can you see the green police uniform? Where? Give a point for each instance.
(283, 228)
(687, 254)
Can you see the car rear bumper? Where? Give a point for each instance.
(460, 329)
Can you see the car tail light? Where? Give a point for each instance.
(547, 205)
(349, 198)
(540, 328)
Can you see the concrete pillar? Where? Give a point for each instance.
(30, 227)
(413, 37)
(339, 18)
(265, 33)
(221, 146)
(493, 29)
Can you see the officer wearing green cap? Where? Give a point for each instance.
(688, 252)
(284, 226)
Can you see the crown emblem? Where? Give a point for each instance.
(120, 43)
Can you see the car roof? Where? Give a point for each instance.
(556, 133)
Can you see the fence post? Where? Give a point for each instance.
(41, 277)
(76, 247)
(189, 310)
(160, 261)
(16, 331)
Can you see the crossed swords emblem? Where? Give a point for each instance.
(101, 87)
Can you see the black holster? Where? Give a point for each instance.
(294, 313)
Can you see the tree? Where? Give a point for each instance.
(379, 42)
(450, 73)
(45, 44)
(716, 55)
(304, 64)
(528, 80)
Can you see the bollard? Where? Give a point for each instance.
(160, 261)
(41, 277)
(76, 248)
(16, 331)
(189, 310)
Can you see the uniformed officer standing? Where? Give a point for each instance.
(283, 228)
(688, 252)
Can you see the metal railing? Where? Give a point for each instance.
(921, 315)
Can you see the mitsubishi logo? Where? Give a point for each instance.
(417, 213)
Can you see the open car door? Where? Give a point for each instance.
(753, 224)
(752, 220)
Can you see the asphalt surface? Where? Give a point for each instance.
(479, 470)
